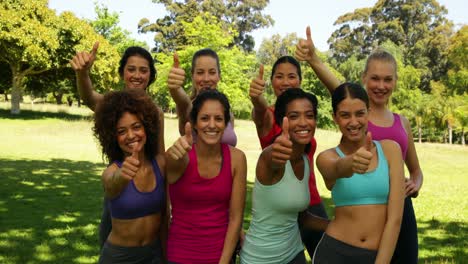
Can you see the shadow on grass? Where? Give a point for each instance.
(35, 115)
(443, 242)
(49, 211)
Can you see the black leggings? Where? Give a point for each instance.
(406, 250)
(310, 238)
(105, 226)
(332, 251)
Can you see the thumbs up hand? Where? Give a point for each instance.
(176, 77)
(83, 61)
(257, 85)
(131, 164)
(282, 147)
(305, 48)
(182, 145)
(363, 156)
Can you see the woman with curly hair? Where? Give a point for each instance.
(127, 127)
(136, 69)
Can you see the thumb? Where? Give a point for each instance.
(176, 60)
(94, 50)
(368, 141)
(188, 133)
(309, 36)
(136, 151)
(285, 127)
(260, 72)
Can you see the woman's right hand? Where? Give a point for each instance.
(83, 61)
(176, 77)
(257, 85)
(363, 156)
(182, 145)
(282, 147)
(131, 165)
(305, 48)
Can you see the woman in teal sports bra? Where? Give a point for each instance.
(367, 184)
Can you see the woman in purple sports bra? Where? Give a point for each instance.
(206, 73)
(126, 125)
(380, 79)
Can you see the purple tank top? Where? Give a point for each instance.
(131, 203)
(395, 132)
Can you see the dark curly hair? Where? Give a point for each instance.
(111, 109)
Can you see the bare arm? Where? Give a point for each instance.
(161, 146)
(236, 207)
(163, 231)
(305, 51)
(262, 118)
(177, 156)
(81, 64)
(414, 184)
(175, 80)
(395, 202)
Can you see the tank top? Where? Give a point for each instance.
(274, 235)
(369, 188)
(200, 213)
(274, 132)
(395, 132)
(132, 203)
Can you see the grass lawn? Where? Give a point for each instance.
(51, 195)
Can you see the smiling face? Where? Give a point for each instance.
(130, 133)
(302, 122)
(285, 76)
(210, 122)
(380, 81)
(351, 117)
(205, 73)
(136, 73)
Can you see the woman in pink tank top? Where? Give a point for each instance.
(206, 73)
(379, 78)
(207, 186)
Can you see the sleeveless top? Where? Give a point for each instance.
(229, 136)
(274, 132)
(132, 203)
(200, 213)
(274, 235)
(395, 132)
(360, 189)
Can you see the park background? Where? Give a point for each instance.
(50, 198)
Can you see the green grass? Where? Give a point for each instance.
(50, 195)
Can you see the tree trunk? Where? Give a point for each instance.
(58, 97)
(419, 134)
(6, 96)
(450, 130)
(16, 91)
(463, 137)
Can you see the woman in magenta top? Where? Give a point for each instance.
(207, 186)
(380, 78)
(285, 74)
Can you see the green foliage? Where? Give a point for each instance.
(243, 16)
(457, 75)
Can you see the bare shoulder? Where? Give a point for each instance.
(390, 147)
(405, 122)
(326, 154)
(236, 154)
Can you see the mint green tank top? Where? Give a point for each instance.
(369, 188)
(273, 235)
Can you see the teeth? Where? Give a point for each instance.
(303, 132)
(211, 133)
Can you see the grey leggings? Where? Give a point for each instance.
(148, 254)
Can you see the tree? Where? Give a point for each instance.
(29, 41)
(5, 80)
(106, 24)
(243, 16)
(418, 27)
(457, 75)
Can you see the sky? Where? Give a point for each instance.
(289, 15)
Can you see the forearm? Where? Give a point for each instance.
(388, 240)
(85, 89)
(324, 74)
(232, 237)
(114, 184)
